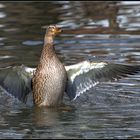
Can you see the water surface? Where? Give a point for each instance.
(107, 31)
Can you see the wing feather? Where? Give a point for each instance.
(16, 81)
(86, 74)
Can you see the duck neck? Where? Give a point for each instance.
(48, 51)
(48, 39)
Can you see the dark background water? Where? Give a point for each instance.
(108, 31)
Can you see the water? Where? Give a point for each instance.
(108, 31)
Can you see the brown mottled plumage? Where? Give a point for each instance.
(50, 77)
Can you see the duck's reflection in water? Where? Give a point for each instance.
(52, 116)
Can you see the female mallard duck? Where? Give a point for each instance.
(51, 78)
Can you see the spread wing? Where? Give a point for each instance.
(17, 81)
(86, 74)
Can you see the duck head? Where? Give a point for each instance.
(53, 30)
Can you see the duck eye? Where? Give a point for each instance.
(52, 27)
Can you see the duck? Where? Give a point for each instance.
(48, 82)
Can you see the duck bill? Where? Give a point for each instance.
(59, 30)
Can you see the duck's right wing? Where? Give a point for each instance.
(86, 74)
(16, 81)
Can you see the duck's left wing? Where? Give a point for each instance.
(86, 74)
(17, 81)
